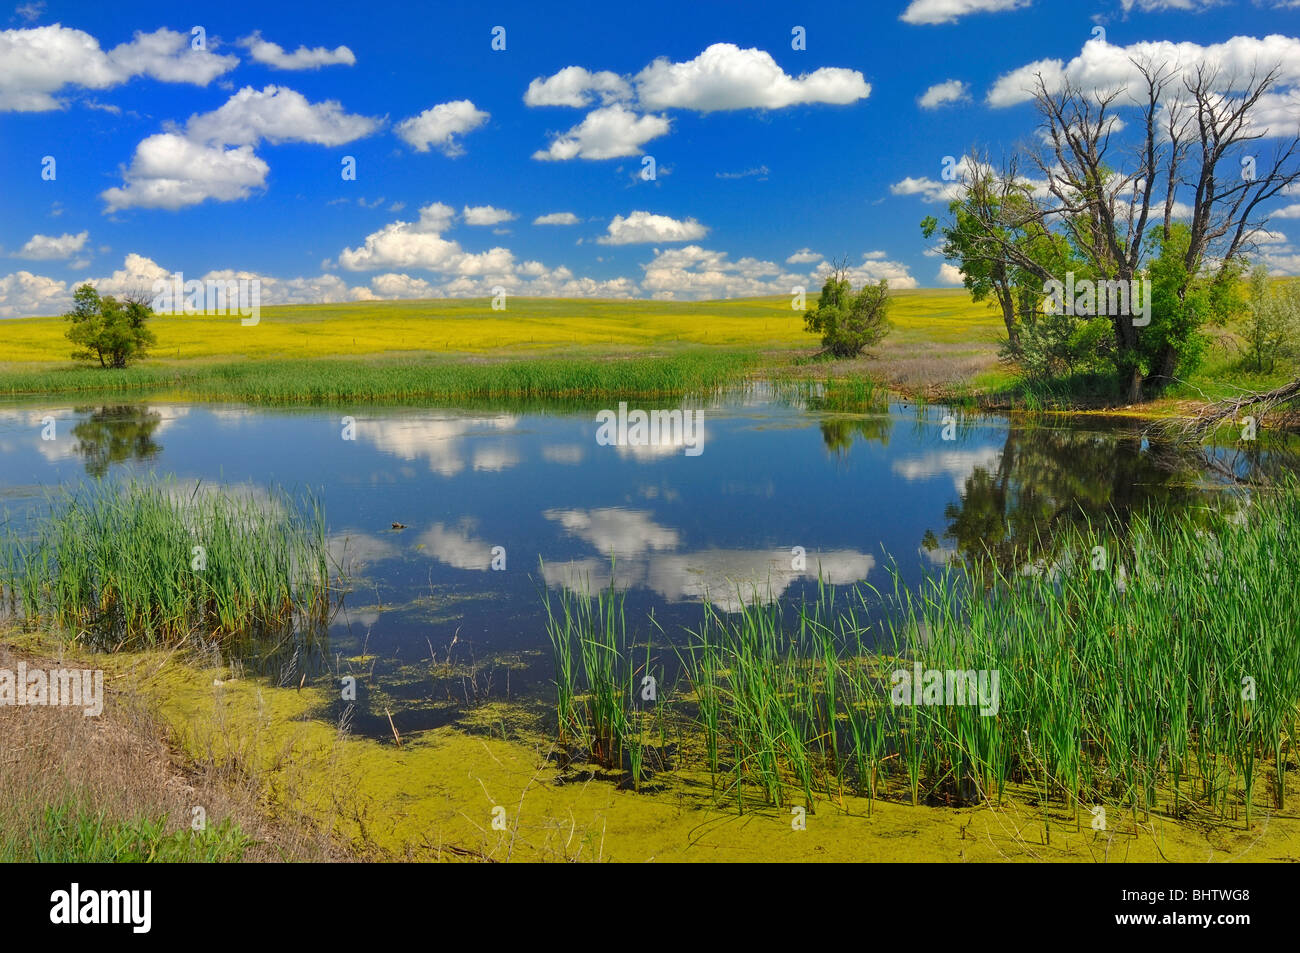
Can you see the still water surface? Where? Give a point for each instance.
(438, 628)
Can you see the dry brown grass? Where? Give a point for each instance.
(930, 371)
(120, 764)
(911, 369)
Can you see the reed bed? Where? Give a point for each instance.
(1164, 678)
(379, 380)
(848, 395)
(143, 564)
(601, 704)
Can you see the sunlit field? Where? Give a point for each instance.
(471, 326)
(448, 325)
(942, 346)
(461, 348)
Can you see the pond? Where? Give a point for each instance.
(448, 525)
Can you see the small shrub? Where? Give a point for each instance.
(849, 323)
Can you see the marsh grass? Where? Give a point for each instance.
(788, 699)
(152, 563)
(1168, 681)
(589, 638)
(858, 394)
(399, 380)
(601, 710)
(850, 395)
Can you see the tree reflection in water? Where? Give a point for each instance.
(840, 433)
(1050, 479)
(113, 435)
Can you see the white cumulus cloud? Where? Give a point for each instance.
(39, 63)
(722, 77)
(183, 167)
(647, 227)
(1103, 66)
(420, 245)
(606, 133)
(52, 247)
(171, 172)
(278, 114)
(274, 55)
(948, 11)
(700, 273)
(23, 294)
(441, 126)
(486, 215)
(949, 91)
(949, 274)
(726, 77)
(575, 86)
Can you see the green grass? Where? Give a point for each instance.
(772, 708)
(600, 685)
(1224, 373)
(853, 395)
(1167, 681)
(391, 380)
(65, 834)
(144, 564)
(1126, 687)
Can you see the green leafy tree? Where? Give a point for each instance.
(108, 330)
(847, 322)
(1005, 253)
(1053, 345)
(1272, 328)
(995, 214)
(1183, 300)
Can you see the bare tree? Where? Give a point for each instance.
(839, 269)
(140, 297)
(1203, 129)
(1195, 125)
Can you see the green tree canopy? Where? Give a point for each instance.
(108, 330)
(849, 322)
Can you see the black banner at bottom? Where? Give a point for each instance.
(140, 904)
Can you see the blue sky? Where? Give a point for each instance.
(769, 159)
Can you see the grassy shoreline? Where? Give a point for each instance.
(118, 787)
(441, 379)
(432, 379)
(1094, 711)
(942, 349)
(393, 380)
(309, 790)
